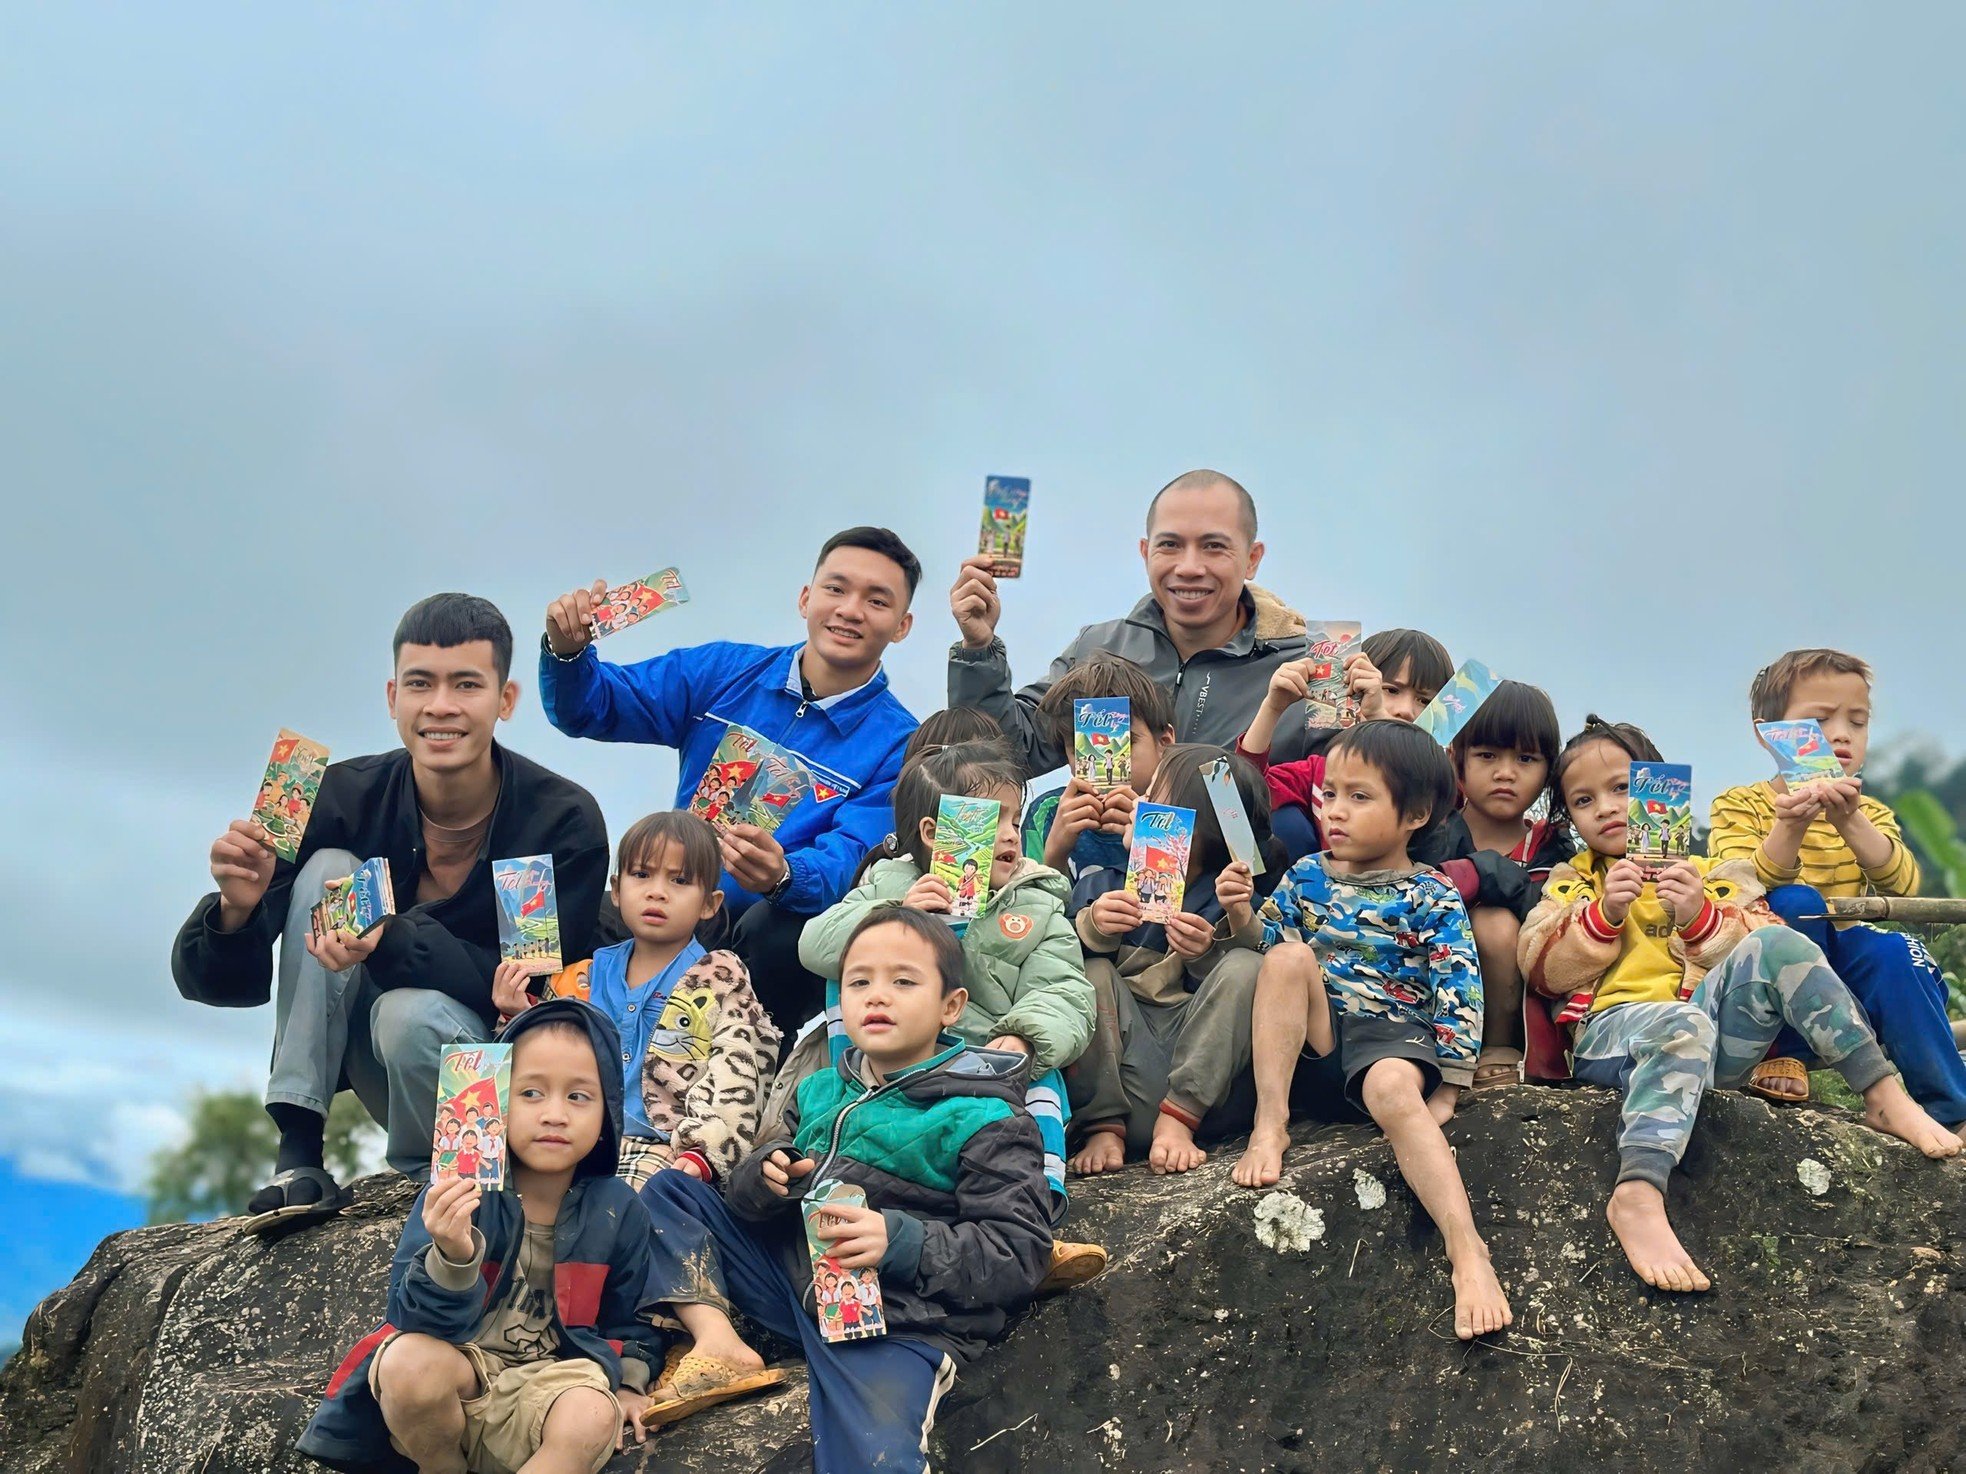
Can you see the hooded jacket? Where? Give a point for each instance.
(1021, 958)
(948, 1156)
(688, 699)
(600, 1270)
(367, 805)
(1215, 693)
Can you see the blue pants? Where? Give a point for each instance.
(1902, 991)
(872, 1402)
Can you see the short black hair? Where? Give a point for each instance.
(1418, 775)
(880, 540)
(450, 620)
(935, 930)
(1425, 660)
(1204, 480)
(1514, 715)
(1103, 676)
(1637, 746)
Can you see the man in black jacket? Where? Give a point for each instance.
(374, 1013)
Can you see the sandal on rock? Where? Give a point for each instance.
(1784, 1081)
(286, 1214)
(1498, 1066)
(1072, 1264)
(700, 1381)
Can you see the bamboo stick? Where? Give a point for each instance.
(1915, 910)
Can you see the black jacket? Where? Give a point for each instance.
(1486, 878)
(948, 1155)
(367, 805)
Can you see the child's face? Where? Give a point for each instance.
(1597, 791)
(1362, 824)
(1404, 700)
(1840, 702)
(1010, 842)
(891, 998)
(658, 901)
(1147, 745)
(1502, 782)
(557, 1106)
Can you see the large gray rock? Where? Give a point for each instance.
(1834, 1337)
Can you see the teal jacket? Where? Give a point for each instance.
(948, 1156)
(1024, 969)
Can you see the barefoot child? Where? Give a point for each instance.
(1676, 983)
(1833, 839)
(697, 1046)
(1172, 1036)
(481, 1365)
(1369, 962)
(956, 1221)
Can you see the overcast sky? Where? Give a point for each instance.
(1616, 345)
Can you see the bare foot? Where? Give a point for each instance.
(1104, 1151)
(1888, 1109)
(1174, 1148)
(1960, 1132)
(1479, 1304)
(732, 1349)
(1637, 1214)
(1262, 1161)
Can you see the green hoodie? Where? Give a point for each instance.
(1024, 969)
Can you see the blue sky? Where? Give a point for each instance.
(1614, 344)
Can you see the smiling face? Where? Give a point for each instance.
(1363, 827)
(854, 608)
(1198, 558)
(658, 901)
(1840, 702)
(446, 701)
(1008, 851)
(1597, 785)
(557, 1106)
(891, 998)
(1500, 783)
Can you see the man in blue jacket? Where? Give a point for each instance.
(827, 700)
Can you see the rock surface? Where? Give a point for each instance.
(1833, 1340)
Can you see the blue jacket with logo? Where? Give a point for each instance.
(688, 699)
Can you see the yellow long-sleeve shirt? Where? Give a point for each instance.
(1743, 817)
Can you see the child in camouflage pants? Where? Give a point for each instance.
(1677, 976)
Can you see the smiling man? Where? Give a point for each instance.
(826, 700)
(1203, 631)
(374, 1013)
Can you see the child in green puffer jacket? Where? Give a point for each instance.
(1024, 968)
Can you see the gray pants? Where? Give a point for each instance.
(335, 1030)
(1190, 1054)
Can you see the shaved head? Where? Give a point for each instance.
(1208, 481)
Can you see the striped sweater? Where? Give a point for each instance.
(1743, 817)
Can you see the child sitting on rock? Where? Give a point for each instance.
(1371, 964)
(1172, 1035)
(956, 1221)
(1678, 978)
(517, 1333)
(697, 1046)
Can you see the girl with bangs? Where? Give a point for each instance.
(697, 1048)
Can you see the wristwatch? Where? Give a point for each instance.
(784, 884)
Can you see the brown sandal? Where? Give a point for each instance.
(1497, 1066)
(698, 1381)
(1782, 1080)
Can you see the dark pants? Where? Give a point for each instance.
(767, 938)
(1903, 993)
(871, 1402)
